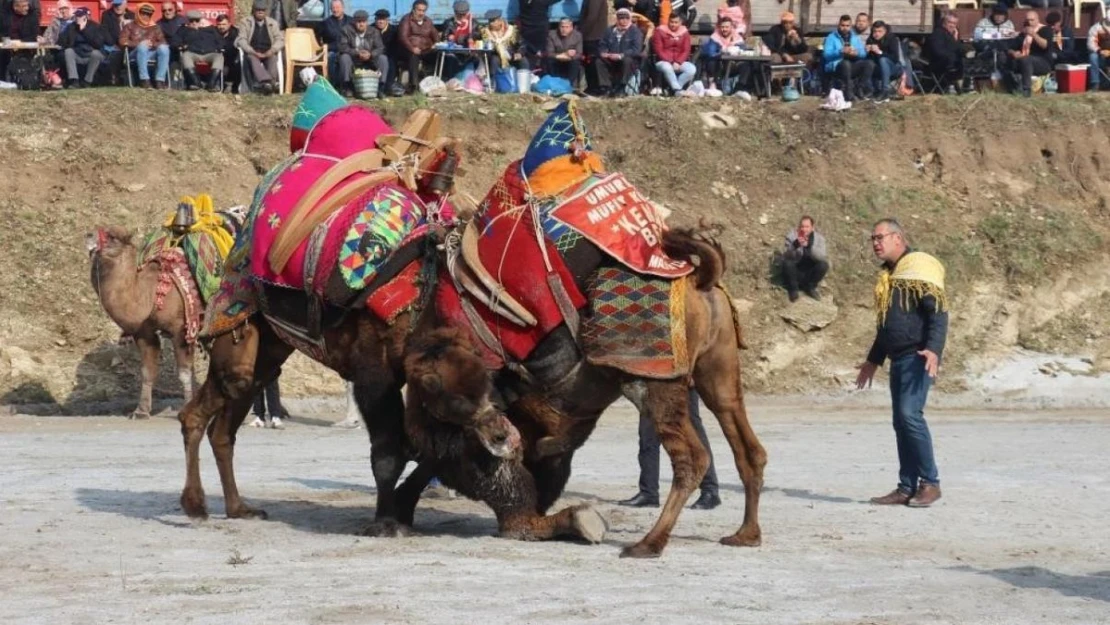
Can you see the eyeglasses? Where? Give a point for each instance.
(878, 238)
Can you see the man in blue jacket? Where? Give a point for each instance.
(621, 50)
(912, 317)
(846, 57)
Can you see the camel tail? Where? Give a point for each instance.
(700, 247)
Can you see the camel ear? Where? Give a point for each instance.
(431, 383)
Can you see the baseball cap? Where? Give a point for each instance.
(116, 3)
(81, 12)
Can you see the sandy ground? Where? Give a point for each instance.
(90, 531)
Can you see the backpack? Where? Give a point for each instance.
(22, 72)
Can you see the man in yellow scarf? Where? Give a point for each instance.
(912, 311)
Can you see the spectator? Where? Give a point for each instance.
(1098, 51)
(862, 27)
(621, 50)
(392, 45)
(648, 495)
(647, 8)
(171, 22)
(593, 22)
(81, 44)
(330, 30)
(62, 18)
(18, 22)
(805, 260)
(506, 43)
(418, 36)
(723, 38)
(995, 26)
(786, 43)
(459, 28)
(1063, 39)
(261, 40)
(145, 37)
(1032, 51)
(671, 44)
(533, 21)
(270, 397)
(233, 70)
(564, 52)
(284, 13)
(112, 22)
(912, 327)
(885, 51)
(846, 57)
(361, 47)
(201, 43)
(738, 11)
(945, 55)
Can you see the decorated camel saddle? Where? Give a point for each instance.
(558, 240)
(339, 224)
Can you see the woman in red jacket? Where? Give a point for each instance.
(671, 45)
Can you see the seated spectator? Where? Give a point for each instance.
(261, 40)
(996, 26)
(171, 22)
(1032, 51)
(81, 44)
(330, 30)
(885, 51)
(361, 47)
(620, 52)
(945, 55)
(200, 43)
(233, 70)
(1063, 39)
(564, 52)
(671, 45)
(392, 44)
(738, 12)
(724, 40)
(145, 38)
(113, 22)
(18, 22)
(459, 28)
(418, 37)
(506, 43)
(786, 43)
(846, 57)
(63, 17)
(805, 260)
(862, 26)
(1098, 51)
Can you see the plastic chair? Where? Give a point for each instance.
(301, 50)
(953, 4)
(1079, 6)
(246, 80)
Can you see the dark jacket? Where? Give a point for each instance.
(171, 27)
(84, 41)
(330, 30)
(908, 330)
(593, 21)
(450, 25)
(631, 44)
(890, 46)
(414, 35)
(28, 29)
(560, 45)
(776, 42)
(534, 22)
(1047, 52)
(205, 40)
(942, 49)
(371, 40)
(390, 40)
(113, 25)
(231, 53)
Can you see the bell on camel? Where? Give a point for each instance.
(184, 219)
(444, 178)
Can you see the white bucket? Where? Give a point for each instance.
(523, 81)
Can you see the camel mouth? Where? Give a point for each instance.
(500, 438)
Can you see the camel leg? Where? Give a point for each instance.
(150, 349)
(387, 454)
(717, 378)
(514, 502)
(183, 355)
(666, 402)
(408, 493)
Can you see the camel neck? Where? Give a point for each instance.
(126, 293)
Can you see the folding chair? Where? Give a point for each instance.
(301, 50)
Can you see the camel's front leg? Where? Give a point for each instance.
(150, 348)
(183, 355)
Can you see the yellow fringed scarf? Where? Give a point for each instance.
(208, 221)
(917, 275)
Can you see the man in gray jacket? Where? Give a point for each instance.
(361, 46)
(805, 260)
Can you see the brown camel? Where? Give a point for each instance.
(127, 293)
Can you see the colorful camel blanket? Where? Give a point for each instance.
(917, 275)
(205, 245)
(174, 273)
(637, 324)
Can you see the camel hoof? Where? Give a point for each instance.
(387, 529)
(138, 416)
(590, 524)
(641, 550)
(550, 446)
(743, 539)
(246, 512)
(194, 507)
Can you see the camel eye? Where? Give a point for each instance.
(461, 406)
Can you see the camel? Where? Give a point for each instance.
(127, 293)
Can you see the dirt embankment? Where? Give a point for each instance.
(1011, 194)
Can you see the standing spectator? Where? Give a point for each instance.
(912, 327)
(361, 47)
(506, 43)
(330, 30)
(564, 52)
(945, 55)
(1098, 51)
(145, 38)
(621, 50)
(418, 36)
(805, 260)
(533, 22)
(269, 398)
(204, 44)
(353, 419)
(671, 45)
(284, 13)
(81, 44)
(62, 18)
(392, 44)
(738, 12)
(233, 70)
(647, 8)
(593, 22)
(113, 22)
(648, 495)
(261, 40)
(18, 22)
(1032, 51)
(846, 57)
(862, 27)
(885, 51)
(786, 43)
(171, 22)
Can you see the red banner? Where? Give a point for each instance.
(612, 214)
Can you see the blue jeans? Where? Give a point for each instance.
(1094, 79)
(909, 388)
(889, 69)
(677, 83)
(162, 57)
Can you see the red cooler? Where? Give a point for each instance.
(1071, 78)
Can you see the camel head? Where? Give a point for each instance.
(108, 243)
(449, 379)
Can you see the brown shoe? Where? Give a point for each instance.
(894, 498)
(927, 495)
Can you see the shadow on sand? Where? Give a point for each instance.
(1094, 586)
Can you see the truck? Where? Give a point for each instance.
(441, 10)
(819, 17)
(210, 8)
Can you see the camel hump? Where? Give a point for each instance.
(700, 247)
